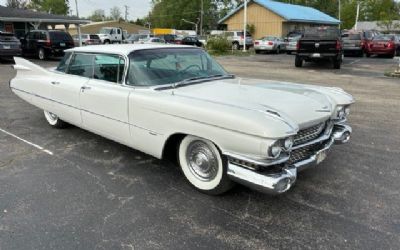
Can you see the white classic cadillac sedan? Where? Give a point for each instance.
(176, 101)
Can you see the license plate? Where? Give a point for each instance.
(316, 55)
(6, 46)
(321, 156)
(263, 47)
(62, 44)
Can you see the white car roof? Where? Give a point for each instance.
(123, 49)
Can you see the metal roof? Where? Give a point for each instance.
(23, 15)
(125, 49)
(290, 12)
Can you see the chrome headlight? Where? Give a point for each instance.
(275, 151)
(342, 112)
(276, 148)
(288, 143)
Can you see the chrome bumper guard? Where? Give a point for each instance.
(277, 183)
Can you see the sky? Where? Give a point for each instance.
(136, 8)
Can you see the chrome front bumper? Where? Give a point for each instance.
(281, 182)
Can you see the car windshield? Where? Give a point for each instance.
(105, 31)
(171, 65)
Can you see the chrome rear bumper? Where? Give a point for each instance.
(281, 182)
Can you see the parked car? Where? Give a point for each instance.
(87, 39)
(291, 43)
(269, 43)
(10, 46)
(203, 40)
(192, 40)
(132, 38)
(152, 40)
(354, 43)
(382, 45)
(320, 43)
(45, 43)
(168, 38)
(178, 101)
(109, 35)
(397, 43)
(237, 39)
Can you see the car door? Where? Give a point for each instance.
(75, 70)
(104, 100)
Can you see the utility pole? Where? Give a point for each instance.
(340, 19)
(195, 24)
(201, 17)
(357, 15)
(245, 25)
(79, 25)
(126, 13)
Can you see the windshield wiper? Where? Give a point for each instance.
(195, 79)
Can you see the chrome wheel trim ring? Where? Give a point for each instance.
(202, 161)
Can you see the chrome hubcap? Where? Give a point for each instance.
(202, 161)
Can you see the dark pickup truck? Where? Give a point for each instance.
(320, 43)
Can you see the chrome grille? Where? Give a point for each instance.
(309, 134)
(302, 153)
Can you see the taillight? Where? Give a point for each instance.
(241, 37)
(257, 43)
(48, 43)
(270, 43)
(338, 45)
(390, 45)
(298, 45)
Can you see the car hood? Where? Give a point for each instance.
(258, 107)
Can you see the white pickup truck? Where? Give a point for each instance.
(111, 35)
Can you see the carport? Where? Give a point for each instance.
(20, 21)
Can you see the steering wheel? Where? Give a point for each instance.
(189, 67)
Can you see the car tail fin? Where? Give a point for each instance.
(23, 65)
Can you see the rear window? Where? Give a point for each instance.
(94, 37)
(383, 37)
(351, 36)
(242, 34)
(7, 37)
(322, 32)
(59, 36)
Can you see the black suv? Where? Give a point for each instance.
(192, 40)
(9, 45)
(45, 43)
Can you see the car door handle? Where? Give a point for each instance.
(83, 88)
(55, 83)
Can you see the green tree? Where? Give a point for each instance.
(169, 13)
(115, 13)
(97, 15)
(58, 7)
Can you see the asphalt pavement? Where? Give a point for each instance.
(71, 189)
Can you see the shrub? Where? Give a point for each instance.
(218, 44)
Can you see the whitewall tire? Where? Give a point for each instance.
(53, 120)
(203, 166)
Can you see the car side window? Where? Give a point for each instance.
(81, 65)
(63, 65)
(43, 36)
(109, 68)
